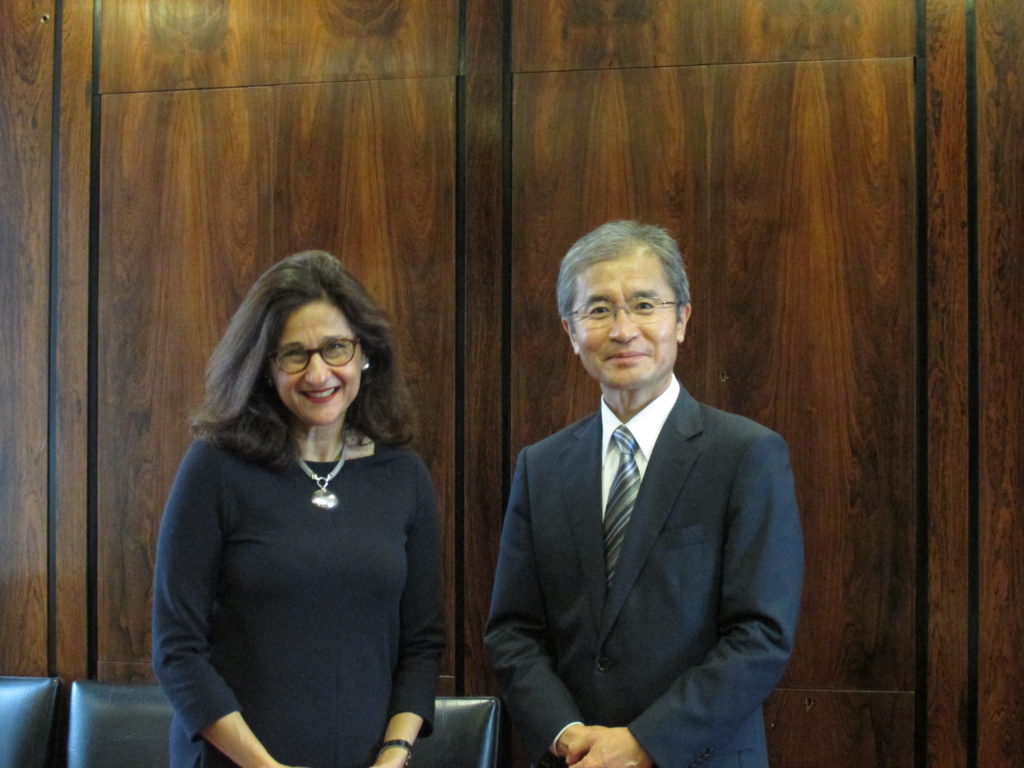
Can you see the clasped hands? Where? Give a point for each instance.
(595, 746)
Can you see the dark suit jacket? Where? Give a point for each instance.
(699, 622)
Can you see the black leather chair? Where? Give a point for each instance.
(28, 707)
(466, 731)
(118, 725)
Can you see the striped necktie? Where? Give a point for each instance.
(620, 498)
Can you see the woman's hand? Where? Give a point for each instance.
(402, 727)
(232, 736)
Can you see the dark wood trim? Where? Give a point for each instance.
(482, 164)
(70, 361)
(947, 385)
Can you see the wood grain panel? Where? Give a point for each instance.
(169, 44)
(798, 30)
(598, 34)
(26, 82)
(184, 230)
(71, 446)
(581, 157)
(813, 334)
(840, 729)
(947, 393)
(367, 171)
(482, 295)
(1000, 117)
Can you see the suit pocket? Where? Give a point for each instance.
(677, 538)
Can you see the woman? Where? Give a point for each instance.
(296, 617)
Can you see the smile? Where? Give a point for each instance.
(321, 395)
(626, 357)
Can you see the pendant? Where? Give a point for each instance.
(324, 499)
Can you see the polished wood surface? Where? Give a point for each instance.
(1000, 117)
(800, 30)
(233, 180)
(804, 289)
(946, 709)
(168, 44)
(598, 34)
(71, 444)
(813, 335)
(26, 81)
(581, 158)
(367, 171)
(839, 729)
(184, 231)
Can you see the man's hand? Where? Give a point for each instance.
(575, 741)
(594, 746)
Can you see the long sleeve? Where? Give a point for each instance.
(761, 576)
(517, 631)
(188, 567)
(421, 632)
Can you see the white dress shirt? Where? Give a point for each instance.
(645, 426)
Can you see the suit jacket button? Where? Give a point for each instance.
(604, 664)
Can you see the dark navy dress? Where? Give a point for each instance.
(317, 625)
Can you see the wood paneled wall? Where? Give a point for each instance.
(811, 328)
(581, 158)
(945, 714)
(845, 179)
(791, 188)
(234, 178)
(27, 38)
(155, 45)
(1000, 371)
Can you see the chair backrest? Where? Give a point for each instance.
(28, 707)
(465, 734)
(118, 725)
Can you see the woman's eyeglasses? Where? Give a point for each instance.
(336, 351)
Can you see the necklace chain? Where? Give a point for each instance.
(323, 481)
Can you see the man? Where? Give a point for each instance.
(648, 582)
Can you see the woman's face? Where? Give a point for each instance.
(319, 395)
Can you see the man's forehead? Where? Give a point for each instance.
(635, 273)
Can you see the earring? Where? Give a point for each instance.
(366, 365)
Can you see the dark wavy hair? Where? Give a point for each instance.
(242, 411)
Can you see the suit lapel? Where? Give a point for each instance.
(582, 504)
(667, 472)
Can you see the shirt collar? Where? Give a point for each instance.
(645, 425)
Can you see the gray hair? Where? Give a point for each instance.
(613, 241)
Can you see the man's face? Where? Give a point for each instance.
(630, 357)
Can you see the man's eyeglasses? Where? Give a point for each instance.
(337, 351)
(641, 310)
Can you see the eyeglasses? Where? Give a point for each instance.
(641, 310)
(336, 351)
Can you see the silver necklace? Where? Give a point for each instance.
(321, 497)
